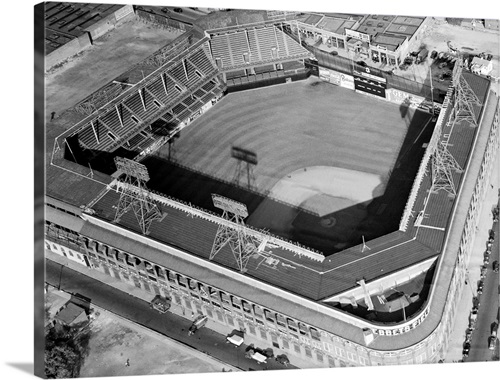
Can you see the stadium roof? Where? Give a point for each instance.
(335, 25)
(66, 21)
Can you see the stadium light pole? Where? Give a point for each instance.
(432, 90)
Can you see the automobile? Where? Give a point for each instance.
(476, 302)
(197, 324)
(408, 60)
(165, 10)
(486, 260)
(492, 235)
(236, 340)
(161, 304)
(494, 328)
(178, 10)
(468, 335)
(442, 65)
(434, 54)
(484, 270)
(480, 287)
(362, 63)
(492, 342)
(495, 266)
(334, 52)
(465, 351)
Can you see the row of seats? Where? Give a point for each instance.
(154, 95)
(254, 46)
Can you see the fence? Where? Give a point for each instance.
(265, 79)
(162, 21)
(347, 66)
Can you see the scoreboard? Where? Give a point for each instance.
(367, 81)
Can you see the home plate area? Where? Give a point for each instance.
(329, 204)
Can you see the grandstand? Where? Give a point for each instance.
(170, 94)
(317, 307)
(253, 46)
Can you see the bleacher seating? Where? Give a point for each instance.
(200, 69)
(134, 103)
(254, 46)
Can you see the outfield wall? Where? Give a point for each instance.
(391, 94)
(263, 80)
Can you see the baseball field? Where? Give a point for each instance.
(328, 164)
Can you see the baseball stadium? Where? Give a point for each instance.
(330, 222)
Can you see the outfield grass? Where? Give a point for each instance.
(293, 126)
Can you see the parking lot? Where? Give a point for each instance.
(436, 36)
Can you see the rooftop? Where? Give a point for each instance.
(71, 314)
(66, 21)
(335, 25)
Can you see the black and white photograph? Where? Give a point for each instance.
(282, 186)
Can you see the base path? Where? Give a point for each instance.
(321, 190)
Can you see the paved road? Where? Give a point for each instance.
(137, 310)
(488, 311)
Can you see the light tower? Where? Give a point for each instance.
(443, 165)
(135, 195)
(242, 244)
(464, 97)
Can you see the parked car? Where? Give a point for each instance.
(362, 63)
(468, 336)
(333, 52)
(494, 328)
(480, 287)
(492, 342)
(476, 302)
(495, 266)
(165, 10)
(465, 351)
(484, 270)
(178, 10)
(161, 304)
(486, 260)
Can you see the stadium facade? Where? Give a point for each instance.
(287, 296)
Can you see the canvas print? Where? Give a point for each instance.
(233, 190)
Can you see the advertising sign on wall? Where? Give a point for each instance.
(357, 35)
(334, 77)
(404, 329)
(412, 101)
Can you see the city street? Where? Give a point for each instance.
(488, 310)
(139, 311)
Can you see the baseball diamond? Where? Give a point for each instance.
(345, 147)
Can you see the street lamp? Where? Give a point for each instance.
(60, 276)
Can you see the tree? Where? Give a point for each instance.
(65, 350)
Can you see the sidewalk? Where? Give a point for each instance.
(464, 307)
(59, 298)
(175, 309)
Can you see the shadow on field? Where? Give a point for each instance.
(383, 213)
(329, 233)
